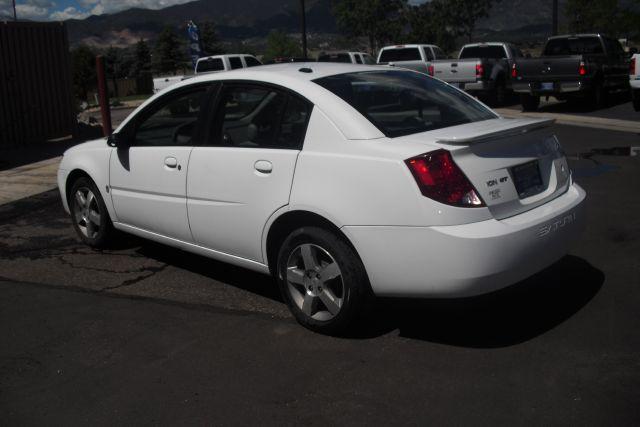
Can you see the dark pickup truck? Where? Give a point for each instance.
(582, 66)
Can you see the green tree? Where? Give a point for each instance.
(612, 17)
(280, 44)
(169, 52)
(83, 69)
(464, 14)
(429, 23)
(380, 21)
(209, 38)
(141, 59)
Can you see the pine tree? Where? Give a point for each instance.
(169, 52)
(209, 38)
(142, 59)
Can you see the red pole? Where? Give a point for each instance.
(103, 96)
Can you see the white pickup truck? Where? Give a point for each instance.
(213, 64)
(482, 69)
(412, 56)
(346, 57)
(634, 80)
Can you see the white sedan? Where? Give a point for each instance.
(342, 181)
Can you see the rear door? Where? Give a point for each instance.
(148, 178)
(245, 171)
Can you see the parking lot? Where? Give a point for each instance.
(147, 334)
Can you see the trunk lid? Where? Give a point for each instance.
(514, 164)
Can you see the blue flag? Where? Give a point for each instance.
(195, 47)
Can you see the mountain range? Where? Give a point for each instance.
(243, 19)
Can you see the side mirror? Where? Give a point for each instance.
(117, 140)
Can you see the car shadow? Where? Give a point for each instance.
(503, 318)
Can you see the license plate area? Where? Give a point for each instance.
(527, 179)
(546, 86)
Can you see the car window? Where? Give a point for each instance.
(171, 122)
(428, 54)
(235, 62)
(358, 59)
(573, 46)
(402, 102)
(400, 54)
(260, 117)
(368, 59)
(209, 64)
(439, 53)
(251, 61)
(335, 57)
(493, 52)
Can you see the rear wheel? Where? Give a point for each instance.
(529, 102)
(90, 217)
(635, 95)
(322, 280)
(598, 96)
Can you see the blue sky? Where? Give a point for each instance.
(58, 10)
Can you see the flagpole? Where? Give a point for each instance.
(15, 16)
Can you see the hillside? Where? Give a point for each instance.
(242, 19)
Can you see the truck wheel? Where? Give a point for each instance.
(529, 102)
(635, 96)
(598, 96)
(500, 96)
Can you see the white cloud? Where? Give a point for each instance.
(29, 11)
(112, 6)
(68, 13)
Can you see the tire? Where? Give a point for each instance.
(598, 96)
(89, 214)
(331, 305)
(529, 102)
(500, 94)
(635, 96)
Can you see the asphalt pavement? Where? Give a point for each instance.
(145, 334)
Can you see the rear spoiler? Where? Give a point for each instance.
(511, 127)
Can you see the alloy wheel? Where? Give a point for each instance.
(86, 212)
(314, 282)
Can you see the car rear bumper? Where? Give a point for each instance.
(535, 88)
(635, 83)
(469, 259)
(479, 86)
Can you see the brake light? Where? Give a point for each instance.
(632, 66)
(440, 179)
(514, 71)
(479, 70)
(430, 70)
(582, 70)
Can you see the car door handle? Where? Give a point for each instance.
(171, 162)
(263, 166)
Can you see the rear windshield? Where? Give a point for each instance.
(211, 64)
(403, 102)
(493, 52)
(400, 54)
(573, 46)
(335, 57)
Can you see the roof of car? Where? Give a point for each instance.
(402, 46)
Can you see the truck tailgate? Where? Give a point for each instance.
(551, 68)
(456, 71)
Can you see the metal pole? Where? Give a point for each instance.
(15, 15)
(103, 96)
(304, 29)
(554, 23)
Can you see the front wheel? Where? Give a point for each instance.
(635, 95)
(90, 217)
(529, 102)
(322, 280)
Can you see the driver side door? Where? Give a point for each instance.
(148, 176)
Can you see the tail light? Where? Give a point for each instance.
(440, 179)
(514, 71)
(582, 70)
(430, 70)
(479, 71)
(632, 66)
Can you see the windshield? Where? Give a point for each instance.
(209, 64)
(404, 102)
(572, 46)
